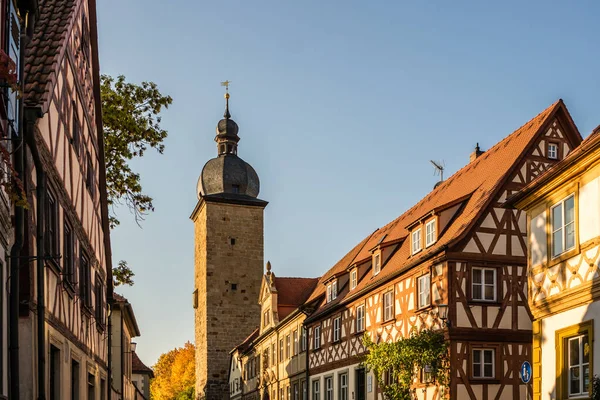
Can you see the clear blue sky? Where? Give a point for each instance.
(341, 105)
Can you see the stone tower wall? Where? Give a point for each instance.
(227, 276)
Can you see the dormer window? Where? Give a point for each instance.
(553, 151)
(430, 233)
(332, 291)
(266, 319)
(416, 241)
(376, 264)
(353, 278)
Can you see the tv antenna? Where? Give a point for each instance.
(438, 169)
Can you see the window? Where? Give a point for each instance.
(483, 363)
(91, 386)
(553, 151)
(55, 363)
(266, 317)
(304, 394)
(280, 350)
(426, 374)
(76, 131)
(266, 357)
(84, 281)
(376, 264)
(288, 393)
(102, 388)
(336, 328)
(416, 241)
(343, 387)
(424, 286)
(334, 290)
(85, 47)
(360, 318)
(68, 255)
(328, 293)
(274, 354)
(303, 338)
(296, 348)
(99, 297)
(563, 226)
(288, 346)
(89, 177)
(296, 391)
(74, 380)
(388, 305)
(430, 234)
(281, 394)
(483, 284)
(317, 338)
(52, 240)
(353, 279)
(315, 390)
(329, 388)
(574, 357)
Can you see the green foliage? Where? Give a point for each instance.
(403, 360)
(596, 388)
(122, 274)
(130, 115)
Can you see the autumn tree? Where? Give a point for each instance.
(131, 120)
(175, 375)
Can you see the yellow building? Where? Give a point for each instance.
(273, 361)
(563, 214)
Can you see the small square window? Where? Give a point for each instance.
(483, 363)
(483, 284)
(553, 151)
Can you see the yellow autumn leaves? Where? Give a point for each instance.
(174, 375)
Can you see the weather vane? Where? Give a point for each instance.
(226, 84)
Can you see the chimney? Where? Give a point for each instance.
(476, 153)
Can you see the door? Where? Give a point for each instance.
(361, 392)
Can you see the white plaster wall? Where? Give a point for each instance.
(335, 373)
(589, 211)
(549, 327)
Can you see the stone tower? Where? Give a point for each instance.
(228, 221)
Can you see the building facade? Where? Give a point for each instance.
(460, 247)
(228, 224)
(273, 364)
(563, 215)
(124, 328)
(141, 378)
(63, 333)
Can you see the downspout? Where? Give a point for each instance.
(41, 252)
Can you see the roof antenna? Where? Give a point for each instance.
(438, 170)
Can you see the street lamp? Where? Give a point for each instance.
(132, 347)
(443, 313)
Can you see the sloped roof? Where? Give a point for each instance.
(476, 184)
(294, 291)
(138, 367)
(46, 49)
(243, 346)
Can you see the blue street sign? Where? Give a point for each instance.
(525, 372)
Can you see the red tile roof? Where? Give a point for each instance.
(138, 367)
(476, 184)
(46, 49)
(291, 293)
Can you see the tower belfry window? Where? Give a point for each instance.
(235, 188)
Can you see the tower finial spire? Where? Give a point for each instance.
(226, 84)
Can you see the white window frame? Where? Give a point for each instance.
(581, 365)
(353, 278)
(343, 378)
(316, 389)
(266, 320)
(288, 346)
(329, 388)
(482, 363)
(296, 343)
(483, 285)
(376, 263)
(317, 337)
(553, 155)
(329, 293)
(334, 290)
(416, 241)
(423, 289)
(303, 338)
(360, 318)
(388, 305)
(281, 353)
(563, 227)
(337, 322)
(430, 232)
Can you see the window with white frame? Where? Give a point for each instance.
(578, 364)
(353, 278)
(336, 328)
(343, 387)
(483, 363)
(304, 394)
(376, 263)
(266, 317)
(329, 388)
(334, 290)
(316, 386)
(430, 233)
(317, 337)
(288, 346)
(360, 318)
(296, 391)
(416, 241)
(328, 293)
(280, 350)
(553, 151)
(424, 291)
(483, 284)
(303, 338)
(563, 226)
(296, 348)
(388, 305)
(288, 393)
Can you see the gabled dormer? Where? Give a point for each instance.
(382, 251)
(268, 300)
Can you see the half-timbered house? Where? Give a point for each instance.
(563, 231)
(64, 338)
(273, 362)
(459, 247)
